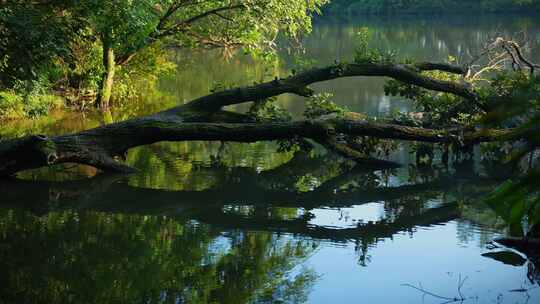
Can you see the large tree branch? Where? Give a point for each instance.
(298, 84)
(430, 66)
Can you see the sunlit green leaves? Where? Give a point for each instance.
(269, 110)
(64, 40)
(32, 38)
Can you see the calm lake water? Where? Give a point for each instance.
(241, 223)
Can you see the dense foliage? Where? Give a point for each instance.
(80, 49)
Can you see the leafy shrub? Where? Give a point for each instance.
(142, 72)
(16, 106)
(40, 105)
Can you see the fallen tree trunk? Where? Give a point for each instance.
(204, 119)
(98, 147)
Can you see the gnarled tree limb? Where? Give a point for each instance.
(298, 84)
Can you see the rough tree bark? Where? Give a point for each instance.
(205, 119)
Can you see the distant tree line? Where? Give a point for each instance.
(428, 6)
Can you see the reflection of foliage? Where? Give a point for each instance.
(254, 260)
(338, 7)
(93, 257)
(192, 166)
(494, 158)
(241, 199)
(307, 183)
(424, 153)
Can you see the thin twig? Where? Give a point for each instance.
(425, 292)
(460, 285)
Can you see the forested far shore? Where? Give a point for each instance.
(340, 7)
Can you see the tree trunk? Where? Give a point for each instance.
(108, 77)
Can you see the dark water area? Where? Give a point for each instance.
(207, 222)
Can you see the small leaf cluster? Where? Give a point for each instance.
(322, 104)
(269, 110)
(372, 146)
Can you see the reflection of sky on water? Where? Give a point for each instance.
(347, 217)
(434, 257)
